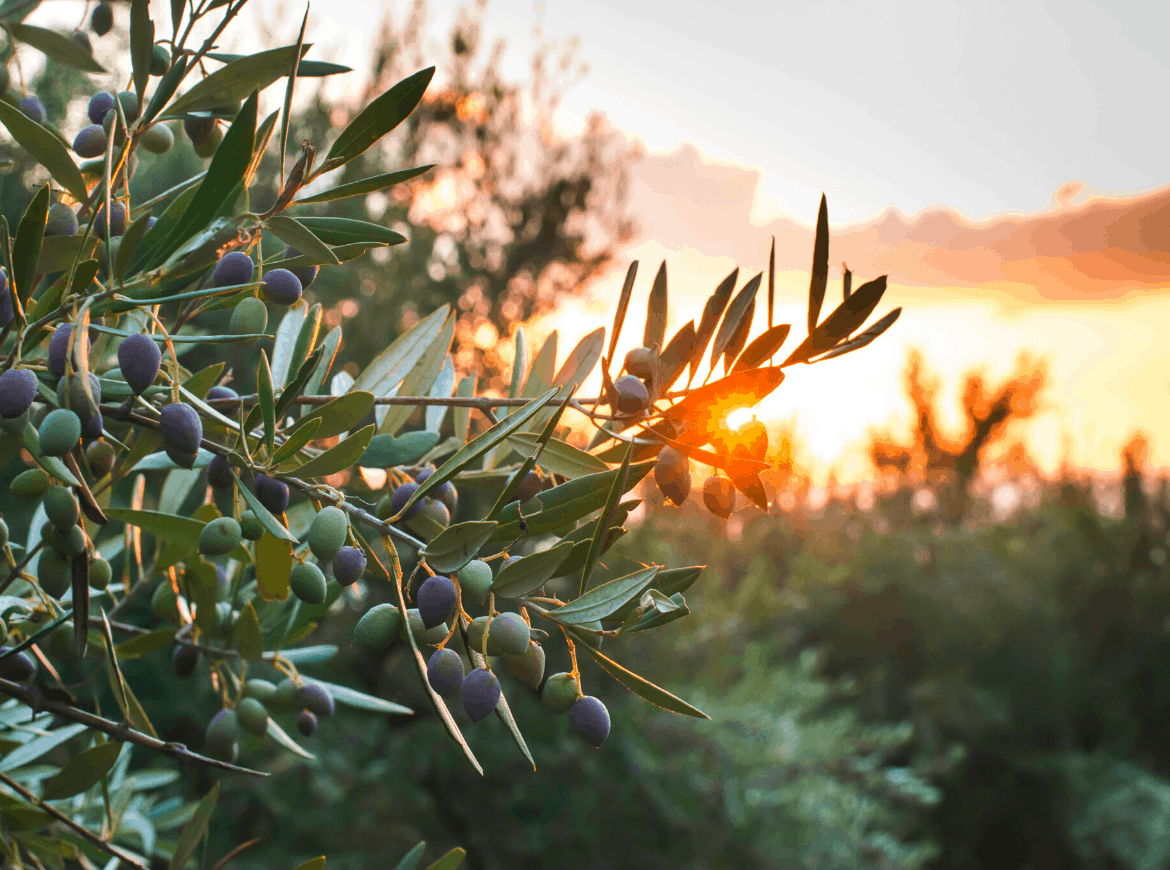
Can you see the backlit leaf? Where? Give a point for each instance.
(365, 186)
(26, 247)
(183, 531)
(56, 45)
(741, 306)
(820, 266)
(619, 315)
(248, 638)
(457, 545)
(654, 335)
(378, 118)
(763, 347)
(45, 148)
(712, 311)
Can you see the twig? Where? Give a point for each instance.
(117, 730)
(68, 822)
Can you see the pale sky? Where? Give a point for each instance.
(985, 108)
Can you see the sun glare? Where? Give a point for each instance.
(738, 418)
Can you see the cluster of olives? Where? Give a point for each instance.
(672, 471)
(258, 700)
(497, 634)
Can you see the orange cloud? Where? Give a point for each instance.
(1083, 248)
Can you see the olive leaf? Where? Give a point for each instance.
(377, 119)
(82, 772)
(45, 148)
(365, 186)
(300, 238)
(457, 545)
(603, 600)
(619, 315)
(387, 451)
(712, 311)
(845, 319)
(820, 266)
(231, 84)
(643, 688)
(56, 45)
(763, 347)
(741, 307)
(530, 572)
(338, 457)
(194, 830)
(654, 335)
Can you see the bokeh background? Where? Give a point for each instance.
(945, 644)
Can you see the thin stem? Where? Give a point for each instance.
(117, 730)
(81, 830)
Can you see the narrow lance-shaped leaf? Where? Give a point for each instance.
(820, 266)
(702, 411)
(365, 186)
(56, 45)
(673, 360)
(847, 318)
(619, 316)
(259, 146)
(643, 688)
(712, 311)
(141, 44)
(235, 81)
(611, 503)
(300, 238)
(266, 401)
(45, 148)
(288, 92)
(654, 335)
(846, 281)
(340, 456)
(194, 830)
(865, 337)
(377, 119)
(457, 545)
(603, 600)
(166, 88)
(83, 771)
(739, 337)
(737, 311)
(26, 250)
(582, 359)
(763, 347)
(771, 281)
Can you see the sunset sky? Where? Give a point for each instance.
(1000, 162)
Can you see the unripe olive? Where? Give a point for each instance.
(59, 433)
(422, 634)
(223, 734)
(285, 699)
(99, 573)
(157, 139)
(475, 635)
(205, 148)
(559, 693)
(30, 484)
(163, 600)
(61, 221)
(640, 362)
(475, 579)
(61, 507)
(378, 627)
(54, 573)
(199, 129)
(529, 667)
(249, 317)
(219, 537)
(328, 532)
(61, 641)
(719, 496)
(3, 541)
(131, 108)
(70, 542)
(253, 716)
(250, 526)
(672, 473)
(262, 690)
(160, 60)
(510, 634)
(307, 583)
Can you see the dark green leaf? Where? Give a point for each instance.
(271, 524)
(307, 68)
(293, 445)
(772, 281)
(141, 44)
(478, 446)
(288, 91)
(83, 771)
(387, 451)
(183, 531)
(454, 858)
(820, 267)
(347, 231)
(558, 456)
(411, 859)
(378, 118)
(295, 234)
(603, 600)
(611, 502)
(529, 573)
(219, 186)
(248, 638)
(290, 394)
(457, 545)
(266, 401)
(56, 45)
(564, 504)
(166, 88)
(865, 337)
(361, 701)
(669, 582)
(339, 457)
(338, 416)
(365, 186)
(145, 644)
(330, 346)
(231, 84)
(45, 148)
(194, 830)
(129, 245)
(26, 247)
(259, 146)
(668, 611)
(845, 319)
(644, 689)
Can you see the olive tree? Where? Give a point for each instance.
(241, 500)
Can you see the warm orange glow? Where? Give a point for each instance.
(739, 418)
